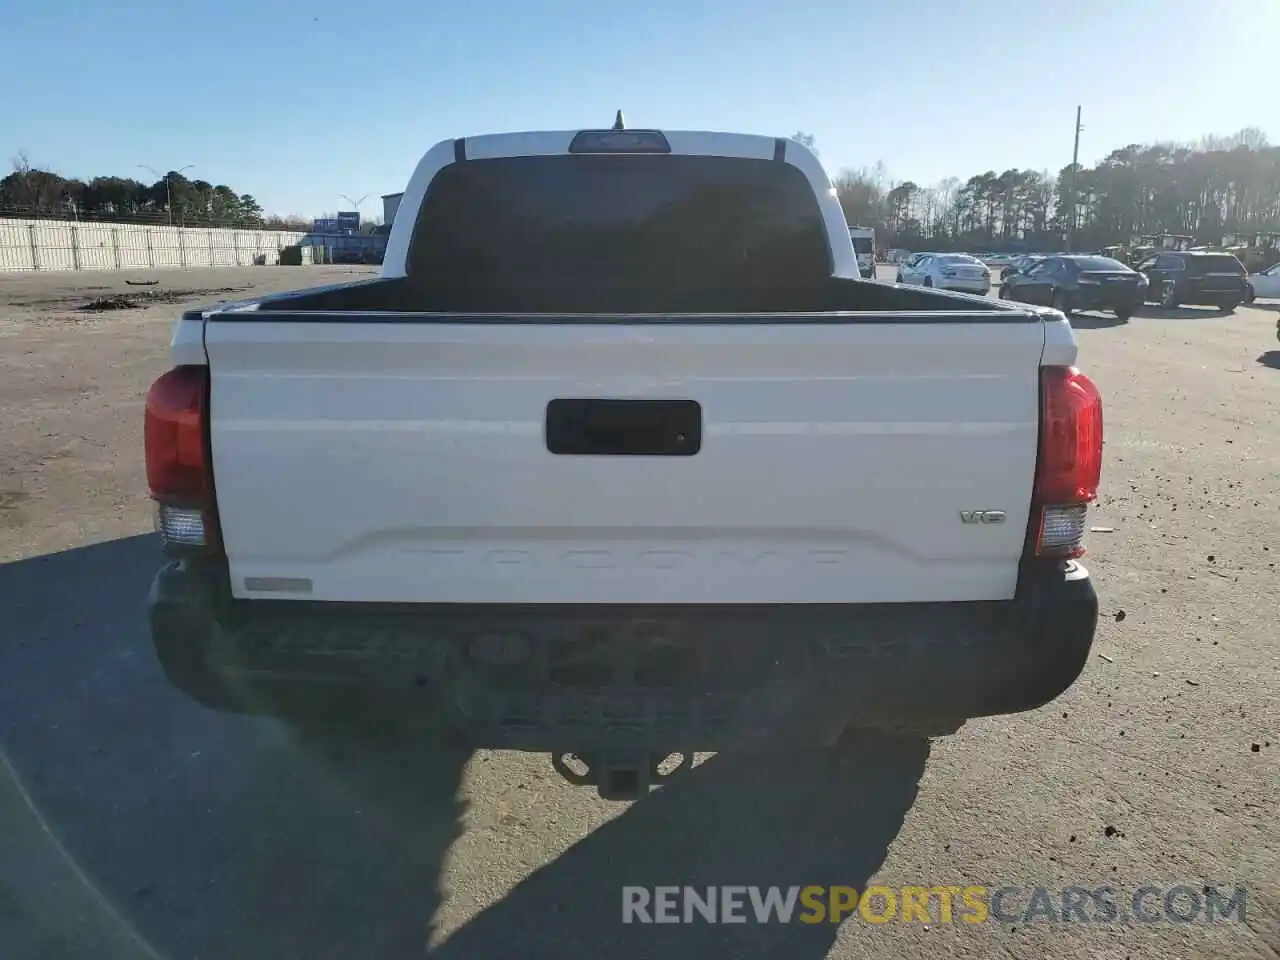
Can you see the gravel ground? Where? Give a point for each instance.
(134, 824)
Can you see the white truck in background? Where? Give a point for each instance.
(864, 246)
(618, 459)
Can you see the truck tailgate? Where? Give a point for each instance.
(407, 460)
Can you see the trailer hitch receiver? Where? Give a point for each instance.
(620, 774)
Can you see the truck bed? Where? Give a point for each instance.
(579, 296)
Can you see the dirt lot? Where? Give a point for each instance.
(133, 824)
(77, 352)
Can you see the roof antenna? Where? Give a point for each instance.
(618, 123)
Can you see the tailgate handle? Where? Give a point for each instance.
(624, 428)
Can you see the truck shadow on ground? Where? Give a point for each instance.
(208, 835)
(1094, 321)
(1270, 359)
(1156, 312)
(798, 818)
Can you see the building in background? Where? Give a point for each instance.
(390, 204)
(366, 248)
(346, 223)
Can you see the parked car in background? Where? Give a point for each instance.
(948, 271)
(1021, 264)
(1071, 283)
(909, 261)
(1264, 284)
(1194, 277)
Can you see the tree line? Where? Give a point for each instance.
(1217, 187)
(1210, 190)
(32, 193)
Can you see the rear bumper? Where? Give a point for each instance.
(1202, 293)
(1106, 301)
(580, 678)
(982, 287)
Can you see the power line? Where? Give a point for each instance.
(168, 186)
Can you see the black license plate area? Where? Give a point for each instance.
(624, 428)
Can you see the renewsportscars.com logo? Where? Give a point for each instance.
(936, 904)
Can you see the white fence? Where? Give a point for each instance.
(63, 245)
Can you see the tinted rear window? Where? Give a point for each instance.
(862, 245)
(1100, 263)
(677, 221)
(1224, 263)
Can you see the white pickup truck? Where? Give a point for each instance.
(618, 459)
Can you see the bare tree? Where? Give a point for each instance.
(807, 139)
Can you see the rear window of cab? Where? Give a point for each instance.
(1214, 263)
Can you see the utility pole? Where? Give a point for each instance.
(1075, 181)
(168, 185)
(355, 204)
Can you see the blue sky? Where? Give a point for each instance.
(297, 103)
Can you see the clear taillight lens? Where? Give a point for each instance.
(1062, 530)
(180, 526)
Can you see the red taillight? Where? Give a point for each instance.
(1069, 465)
(178, 470)
(176, 465)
